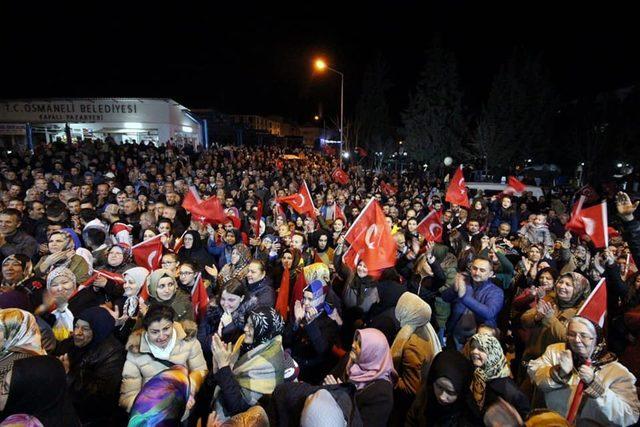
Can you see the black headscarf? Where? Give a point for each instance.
(39, 388)
(456, 368)
(101, 322)
(267, 324)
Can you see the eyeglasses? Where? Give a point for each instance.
(186, 273)
(583, 337)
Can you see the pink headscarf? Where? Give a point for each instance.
(375, 360)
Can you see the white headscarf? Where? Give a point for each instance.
(139, 275)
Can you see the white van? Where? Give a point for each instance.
(492, 188)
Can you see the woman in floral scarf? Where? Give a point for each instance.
(237, 268)
(492, 377)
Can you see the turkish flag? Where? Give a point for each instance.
(329, 151)
(457, 191)
(199, 298)
(179, 243)
(388, 189)
(591, 221)
(301, 202)
(205, 211)
(340, 176)
(279, 165)
(338, 213)
(370, 237)
(114, 277)
(148, 254)
(595, 307)
(431, 227)
(516, 185)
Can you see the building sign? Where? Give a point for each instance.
(85, 111)
(12, 129)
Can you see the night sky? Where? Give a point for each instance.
(256, 57)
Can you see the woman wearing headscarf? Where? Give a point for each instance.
(56, 309)
(225, 319)
(609, 395)
(37, 387)
(442, 400)
(369, 367)
(162, 400)
(128, 306)
(62, 253)
(94, 367)
(548, 319)
(492, 377)
(285, 276)
(251, 368)
(19, 339)
(193, 249)
(312, 333)
(238, 266)
(163, 290)
(323, 252)
(413, 349)
(158, 345)
(17, 274)
(119, 259)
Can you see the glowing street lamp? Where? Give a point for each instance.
(321, 65)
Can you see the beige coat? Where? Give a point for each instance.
(610, 400)
(141, 367)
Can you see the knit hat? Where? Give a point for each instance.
(321, 409)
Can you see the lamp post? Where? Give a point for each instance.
(321, 65)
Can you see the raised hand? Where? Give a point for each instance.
(566, 362)
(624, 205)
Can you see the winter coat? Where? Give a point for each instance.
(140, 366)
(94, 382)
(311, 346)
(261, 294)
(611, 399)
(547, 331)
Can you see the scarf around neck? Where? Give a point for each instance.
(162, 353)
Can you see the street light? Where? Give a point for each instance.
(321, 65)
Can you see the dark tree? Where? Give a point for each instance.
(374, 130)
(517, 120)
(434, 123)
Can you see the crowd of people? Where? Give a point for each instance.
(256, 319)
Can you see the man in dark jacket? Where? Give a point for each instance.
(12, 240)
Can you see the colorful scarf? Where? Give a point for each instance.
(21, 420)
(63, 327)
(163, 399)
(239, 269)
(495, 367)
(258, 372)
(374, 362)
(414, 315)
(27, 267)
(21, 332)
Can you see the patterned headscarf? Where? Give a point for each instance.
(63, 272)
(495, 367)
(245, 255)
(581, 289)
(21, 420)
(162, 400)
(21, 333)
(25, 262)
(267, 324)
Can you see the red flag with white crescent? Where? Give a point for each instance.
(595, 307)
(340, 176)
(114, 277)
(199, 298)
(258, 218)
(431, 227)
(205, 211)
(148, 254)
(300, 202)
(592, 221)
(514, 185)
(457, 191)
(370, 236)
